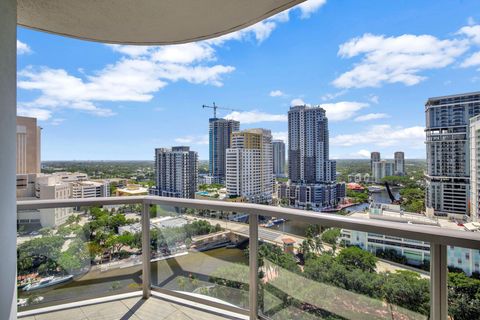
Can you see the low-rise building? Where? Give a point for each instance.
(61, 185)
(416, 252)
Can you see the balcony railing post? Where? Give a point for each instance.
(438, 282)
(253, 266)
(146, 276)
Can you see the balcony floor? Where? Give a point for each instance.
(134, 308)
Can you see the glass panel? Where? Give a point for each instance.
(330, 273)
(71, 254)
(200, 252)
(463, 283)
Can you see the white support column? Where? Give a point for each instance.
(438, 282)
(253, 265)
(146, 270)
(8, 130)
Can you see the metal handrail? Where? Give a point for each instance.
(439, 239)
(431, 234)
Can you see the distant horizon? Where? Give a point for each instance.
(357, 159)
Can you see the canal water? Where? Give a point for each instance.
(298, 228)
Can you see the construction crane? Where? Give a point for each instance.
(215, 107)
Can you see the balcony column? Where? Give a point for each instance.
(438, 282)
(146, 270)
(8, 131)
(253, 265)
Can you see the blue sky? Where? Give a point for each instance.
(371, 64)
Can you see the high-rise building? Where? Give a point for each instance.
(220, 131)
(176, 172)
(399, 161)
(28, 145)
(249, 166)
(382, 169)
(448, 154)
(312, 174)
(374, 157)
(475, 168)
(278, 158)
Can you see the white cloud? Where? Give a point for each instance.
(396, 59)
(471, 21)
(471, 61)
(363, 153)
(276, 93)
(343, 110)
(307, 8)
(297, 102)
(23, 48)
(280, 135)
(371, 116)
(40, 114)
(129, 79)
(56, 121)
(472, 32)
(331, 96)
(192, 139)
(383, 136)
(140, 72)
(373, 98)
(246, 117)
(133, 51)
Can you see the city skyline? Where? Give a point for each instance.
(118, 93)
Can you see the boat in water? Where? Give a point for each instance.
(375, 188)
(274, 222)
(47, 282)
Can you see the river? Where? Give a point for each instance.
(298, 228)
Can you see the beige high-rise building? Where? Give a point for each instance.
(249, 166)
(28, 145)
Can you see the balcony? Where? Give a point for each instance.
(166, 270)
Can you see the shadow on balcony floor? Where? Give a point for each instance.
(134, 308)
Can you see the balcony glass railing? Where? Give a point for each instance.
(72, 254)
(235, 257)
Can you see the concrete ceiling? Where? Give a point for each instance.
(145, 21)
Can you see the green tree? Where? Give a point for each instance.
(407, 289)
(354, 257)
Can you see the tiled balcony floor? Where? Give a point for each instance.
(134, 308)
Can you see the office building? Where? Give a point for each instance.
(176, 172)
(28, 145)
(278, 158)
(90, 189)
(311, 173)
(374, 157)
(219, 137)
(250, 166)
(399, 161)
(448, 154)
(382, 169)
